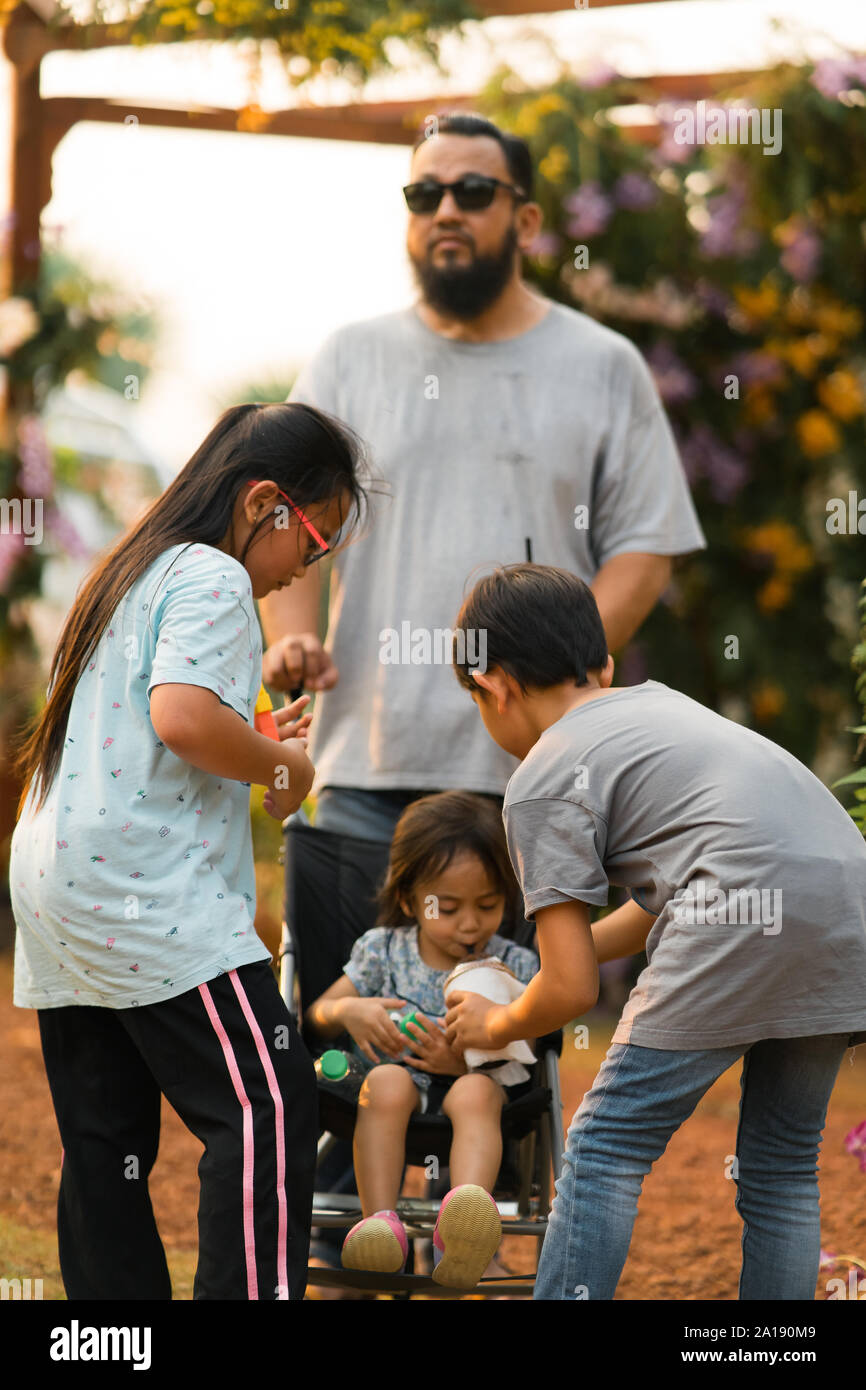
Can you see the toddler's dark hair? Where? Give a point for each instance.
(542, 627)
(428, 835)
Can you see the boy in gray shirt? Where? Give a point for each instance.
(748, 886)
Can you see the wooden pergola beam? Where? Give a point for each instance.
(382, 122)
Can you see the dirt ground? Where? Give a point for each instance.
(686, 1241)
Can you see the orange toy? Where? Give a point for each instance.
(264, 720)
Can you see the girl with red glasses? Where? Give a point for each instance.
(132, 866)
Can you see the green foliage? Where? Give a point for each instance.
(346, 36)
(83, 323)
(857, 780)
(739, 275)
(67, 320)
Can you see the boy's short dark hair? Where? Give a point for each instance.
(542, 623)
(516, 151)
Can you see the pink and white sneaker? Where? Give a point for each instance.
(377, 1243)
(467, 1235)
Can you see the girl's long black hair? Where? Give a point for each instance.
(307, 453)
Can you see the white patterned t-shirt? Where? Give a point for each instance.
(135, 881)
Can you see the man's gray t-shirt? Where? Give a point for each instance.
(482, 445)
(645, 788)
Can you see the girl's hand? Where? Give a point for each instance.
(466, 1021)
(368, 1022)
(280, 802)
(291, 722)
(432, 1050)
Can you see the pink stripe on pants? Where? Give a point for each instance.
(249, 1157)
(268, 1066)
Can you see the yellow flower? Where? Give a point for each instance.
(838, 319)
(790, 557)
(554, 164)
(768, 700)
(548, 103)
(758, 304)
(802, 357)
(759, 405)
(817, 434)
(779, 539)
(841, 393)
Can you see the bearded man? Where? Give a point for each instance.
(507, 426)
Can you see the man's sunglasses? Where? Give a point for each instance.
(471, 193)
(314, 555)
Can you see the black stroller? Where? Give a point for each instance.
(331, 881)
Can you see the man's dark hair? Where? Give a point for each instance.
(516, 151)
(542, 623)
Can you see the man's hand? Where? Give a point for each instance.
(467, 1021)
(432, 1050)
(368, 1022)
(298, 659)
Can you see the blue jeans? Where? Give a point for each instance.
(639, 1099)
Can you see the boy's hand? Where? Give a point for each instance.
(467, 1019)
(432, 1050)
(368, 1022)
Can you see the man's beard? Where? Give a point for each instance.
(465, 291)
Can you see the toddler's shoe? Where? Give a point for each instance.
(467, 1235)
(377, 1243)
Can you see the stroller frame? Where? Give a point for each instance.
(523, 1208)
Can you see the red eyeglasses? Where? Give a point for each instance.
(313, 555)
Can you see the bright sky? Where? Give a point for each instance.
(254, 247)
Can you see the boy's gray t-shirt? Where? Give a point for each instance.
(482, 445)
(645, 788)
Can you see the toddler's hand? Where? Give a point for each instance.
(368, 1022)
(432, 1050)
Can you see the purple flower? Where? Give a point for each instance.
(670, 149)
(635, 192)
(714, 300)
(705, 456)
(546, 244)
(672, 377)
(725, 236)
(65, 534)
(855, 1143)
(802, 255)
(36, 474)
(589, 208)
(600, 76)
(835, 75)
(755, 368)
